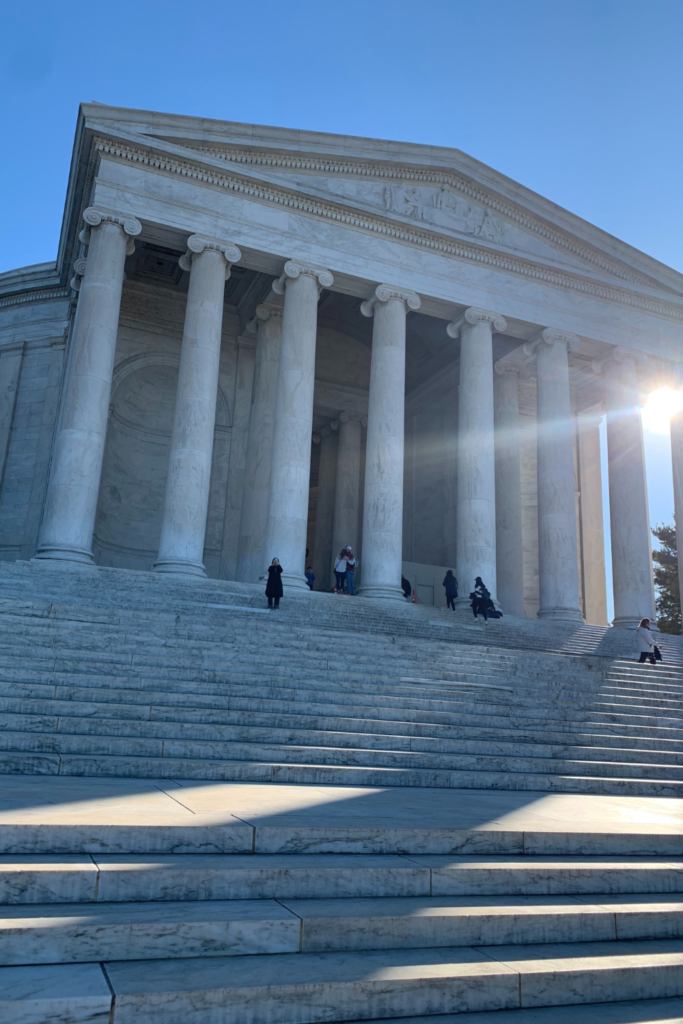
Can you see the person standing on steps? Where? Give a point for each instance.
(274, 584)
(451, 584)
(351, 566)
(407, 588)
(646, 644)
(340, 570)
(310, 577)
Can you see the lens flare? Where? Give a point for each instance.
(661, 405)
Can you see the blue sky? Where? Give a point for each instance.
(577, 99)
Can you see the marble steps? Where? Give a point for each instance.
(289, 752)
(341, 987)
(167, 702)
(65, 725)
(86, 933)
(103, 765)
(135, 878)
(33, 715)
(632, 1011)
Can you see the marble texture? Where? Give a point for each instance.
(58, 993)
(509, 547)
(251, 559)
(557, 537)
(69, 933)
(71, 501)
(475, 528)
(384, 455)
(183, 527)
(285, 536)
(629, 516)
(46, 878)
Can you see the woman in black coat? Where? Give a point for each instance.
(274, 584)
(451, 585)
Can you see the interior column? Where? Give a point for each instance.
(183, 528)
(476, 476)
(628, 506)
(383, 503)
(250, 557)
(347, 491)
(557, 537)
(291, 467)
(324, 515)
(71, 502)
(509, 549)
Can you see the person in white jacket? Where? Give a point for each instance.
(646, 644)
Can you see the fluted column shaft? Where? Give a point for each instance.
(509, 550)
(476, 475)
(254, 518)
(71, 502)
(291, 467)
(183, 528)
(383, 503)
(347, 499)
(677, 467)
(557, 535)
(324, 516)
(628, 506)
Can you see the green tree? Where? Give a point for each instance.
(667, 587)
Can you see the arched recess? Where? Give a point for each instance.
(133, 484)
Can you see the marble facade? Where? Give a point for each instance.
(259, 341)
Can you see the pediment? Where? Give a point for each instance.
(437, 198)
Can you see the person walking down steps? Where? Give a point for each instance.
(451, 585)
(340, 571)
(646, 645)
(274, 584)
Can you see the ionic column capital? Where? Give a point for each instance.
(198, 243)
(621, 356)
(384, 292)
(350, 417)
(264, 311)
(473, 316)
(79, 271)
(523, 371)
(293, 269)
(94, 216)
(549, 336)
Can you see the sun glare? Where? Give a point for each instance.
(661, 405)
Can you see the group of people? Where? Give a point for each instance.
(345, 565)
(481, 601)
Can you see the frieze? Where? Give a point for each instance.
(487, 202)
(417, 236)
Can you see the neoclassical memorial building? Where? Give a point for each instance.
(257, 341)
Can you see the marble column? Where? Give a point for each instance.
(347, 500)
(291, 466)
(383, 502)
(628, 506)
(591, 518)
(183, 528)
(557, 535)
(677, 467)
(509, 549)
(476, 476)
(324, 517)
(254, 519)
(73, 490)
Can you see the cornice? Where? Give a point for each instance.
(428, 176)
(378, 225)
(44, 295)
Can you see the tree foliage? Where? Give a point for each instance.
(667, 587)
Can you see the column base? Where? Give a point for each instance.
(64, 554)
(561, 614)
(380, 592)
(632, 622)
(178, 567)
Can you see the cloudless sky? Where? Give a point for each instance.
(579, 100)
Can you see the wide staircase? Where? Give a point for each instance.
(133, 676)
